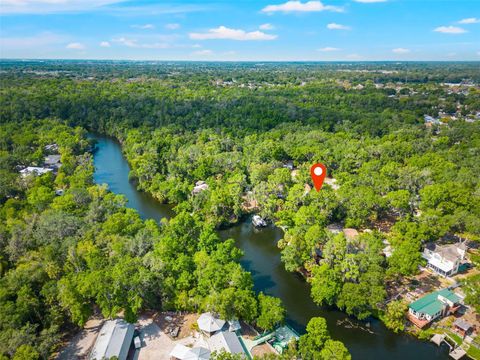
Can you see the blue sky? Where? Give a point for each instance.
(271, 30)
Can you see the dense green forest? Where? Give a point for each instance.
(251, 133)
(66, 257)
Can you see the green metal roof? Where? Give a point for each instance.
(429, 304)
(449, 295)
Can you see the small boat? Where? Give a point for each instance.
(257, 221)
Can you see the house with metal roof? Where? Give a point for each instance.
(114, 340)
(226, 341)
(445, 260)
(432, 306)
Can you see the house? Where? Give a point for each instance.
(227, 341)
(432, 306)
(51, 148)
(289, 165)
(53, 161)
(34, 170)
(221, 336)
(445, 259)
(114, 340)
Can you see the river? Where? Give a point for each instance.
(365, 340)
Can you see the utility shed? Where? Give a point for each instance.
(462, 326)
(114, 340)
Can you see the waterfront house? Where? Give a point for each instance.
(433, 306)
(445, 260)
(114, 340)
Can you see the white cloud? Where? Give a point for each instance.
(298, 6)
(225, 33)
(334, 26)
(266, 27)
(51, 6)
(105, 44)
(205, 52)
(172, 26)
(43, 39)
(75, 46)
(450, 30)
(401, 51)
(133, 43)
(144, 27)
(478, 53)
(469, 21)
(196, 46)
(370, 1)
(328, 49)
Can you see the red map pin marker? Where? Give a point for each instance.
(318, 173)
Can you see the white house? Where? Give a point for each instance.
(445, 259)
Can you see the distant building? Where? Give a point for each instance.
(51, 147)
(289, 165)
(432, 306)
(34, 170)
(199, 187)
(209, 324)
(114, 340)
(431, 120)
(444, 259)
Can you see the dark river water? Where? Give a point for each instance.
(365, 340)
